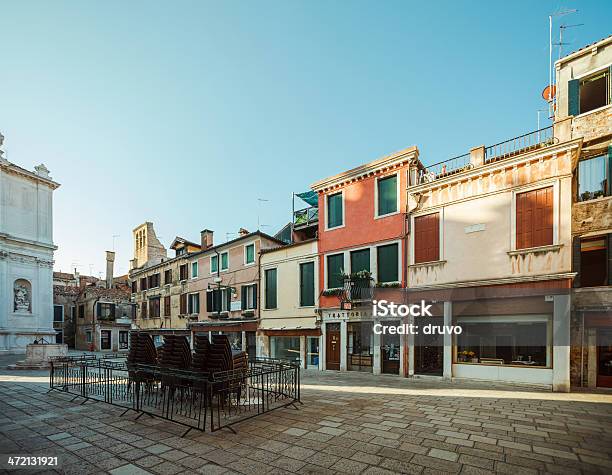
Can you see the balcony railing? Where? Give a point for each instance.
(521, 144)
(358, 289)
(445, 168)
(306, 217)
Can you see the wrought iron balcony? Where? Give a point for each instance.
(445, 168)
(306, 217)
(521, 144)
(358, 289)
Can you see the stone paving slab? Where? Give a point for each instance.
(349, 423)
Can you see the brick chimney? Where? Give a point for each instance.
(206, 237)
(243, 232)
(110, 268)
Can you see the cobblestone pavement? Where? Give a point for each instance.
(349, 423)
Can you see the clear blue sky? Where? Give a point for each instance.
(184, 113)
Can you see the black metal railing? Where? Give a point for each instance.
(446, 168)
(193, 399)
(358, 289)
(521, 144)
(306, 217)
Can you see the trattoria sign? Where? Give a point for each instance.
(340, 315)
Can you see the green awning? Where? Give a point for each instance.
(309, 197)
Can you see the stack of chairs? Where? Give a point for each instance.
(220, 355)
(142, 351)
(175, 353)
(201, 348)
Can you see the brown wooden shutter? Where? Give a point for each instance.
(427, 238)
(183, 304)
(534, 218)
(167, 306)
(143, 309)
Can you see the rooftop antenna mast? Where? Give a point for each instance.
(560, 44)
(259, 201)
(550, 55)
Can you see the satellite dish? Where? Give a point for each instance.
(549, 92)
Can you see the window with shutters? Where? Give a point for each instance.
(248, 297)
(167, 306)
(194, 270)
(105, 310)
(183, 304)
(153, 281)
(270, 288)
(360, 260)
(168, 276)
(58, 313)
(335, 271)
(249, 254)
(134, 287)
(594, 177)
(307, 284)
(387, 263)
(386, 194)
(183, 272)
(143, 283)
(154, 307)
(335, 210)
(427, 238)
(594, 261)
(81, 311)
(224, 260)
(214, 264)
(594, 91)
(194, 303)
(534, 218)
(217, 301)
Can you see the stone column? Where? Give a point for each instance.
(343, 344)
(561, 343)
(244, 341)
(303, 352)
(377, 357)
(591, 342)
(447, 361)
(410, 342)
(402, 352)
(322, 343)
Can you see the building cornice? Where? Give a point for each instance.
(388, 162)
(488, 282)
(9, 167)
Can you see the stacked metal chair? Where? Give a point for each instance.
(142, 352)
(175, 353)
(201, 348)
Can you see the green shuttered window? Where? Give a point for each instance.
(360, 260)
(334, 210)
(249, 254)
(387, 195)
(335, 263)
(307, 287)
(214, 264)
(387, 257)
(271, 301)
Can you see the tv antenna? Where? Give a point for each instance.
(560, 13)
(259, 201)
(114, 237)
(560, 44)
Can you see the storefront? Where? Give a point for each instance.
(241, 335)
(291, 344)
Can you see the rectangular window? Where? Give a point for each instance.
(335, 212)
(81, 311)
(59, 336)
(335, 265)
(58, 313)
(307, 285)
(194, 270)
(153, 281)
(183, 304)
(593, 178)
(218, 301)
(183, 271)
(214, 264)
(387, 195)
(522, 342)
(285, 347)
(167, 308)
(594, 262)
(194, 303)
(143, 310)
(595, 91)
(88, 337)
(427, 238)
(248, 296)
(534, 218)
(105, 310)
(123, 340)
(134, 287)
(154, 307)
(143, 283)
(249, 254)
(168, 276)
(105, 340)
(224, 261)
(360, 261)
(73, 310)
(387, 262)
(270, 282)
(312, 351)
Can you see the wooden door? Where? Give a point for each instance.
(604, 358)
(332, 350)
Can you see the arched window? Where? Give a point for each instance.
(22, 296)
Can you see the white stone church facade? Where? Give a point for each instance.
(26, 255)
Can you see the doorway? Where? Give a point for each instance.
(105, 339)
(390, 350)
(429, 349)
(332, 346)
(604, 358)
(360, 348)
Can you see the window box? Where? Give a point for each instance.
(536, 250)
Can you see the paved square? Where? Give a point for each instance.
(349, 423)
